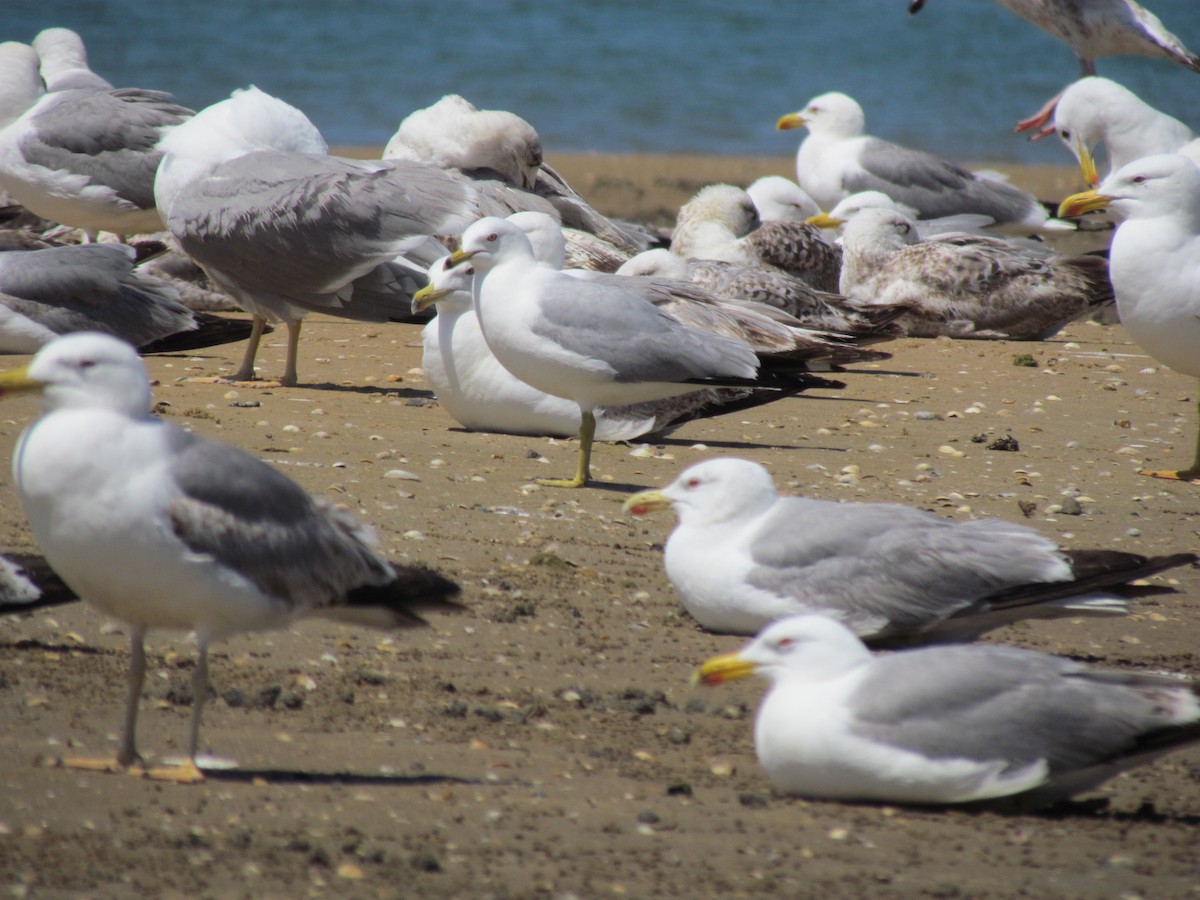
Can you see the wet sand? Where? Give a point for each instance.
(547, 742)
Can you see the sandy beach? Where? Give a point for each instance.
(547, 742)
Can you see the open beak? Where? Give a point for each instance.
(720, 669)
(17, 381)
(1083, 202)
(790, 121)
(644, 502)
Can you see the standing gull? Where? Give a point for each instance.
(1154, 262)
(160, 528)
(941, 725)
(968, 285)
(1096, 111)
(1095, 28)
(838, 158)
(594, 344)
(742, 556)
(251, 194)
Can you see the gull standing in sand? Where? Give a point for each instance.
(161, 528)
(1154, 261)
(968, 285)
(939, 725)
(742, 556)
(838, 158)
(594, 344)
(1095, 28)
(1096, 111)
(248, 189)
(86, 156)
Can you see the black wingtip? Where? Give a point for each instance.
(414, 590)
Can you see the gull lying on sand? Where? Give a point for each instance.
(742, 556)
(940, 725)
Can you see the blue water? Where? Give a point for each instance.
(707, 76)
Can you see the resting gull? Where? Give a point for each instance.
(595, 344)
(1154, 261)
(63, 61)
(849, 207)
(780, 199)
(503, 154)
(86, 157)
(722, 222)
(742, 556)
(161, 528)
(936, 725)
(1095, 28)
(251, 194)
(968, 285)
(1095, 111)
(838, 158)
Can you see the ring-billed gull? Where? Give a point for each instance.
(1154, 261)
(742, 556)
(722, 222)
(939, 725)
(86, 157)
(1095, 111)
(967, 285)
(839, 158)
(249, 191)
(1095, 28)
(161, 528)
(595, 344)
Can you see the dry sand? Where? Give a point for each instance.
(547, 743)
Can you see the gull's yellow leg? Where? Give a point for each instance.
(587, 433)
(1192, 472)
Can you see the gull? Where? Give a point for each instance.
(20, 83)
(1096, 110)
(503, 154)
(769, 287)
(968, 285)
(780, 199)
(594, 344)
(28, 583)
(1009, 727)
(160, 528)
(63, 61)
(249, 191)
(86, 156)
(1095, 28)
(721, 222)
(743, 556)
(96, 287)
(838, 158)
(1154, 262)
(850, 206)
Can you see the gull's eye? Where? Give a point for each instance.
(468, 271)
(1139, 179)
(785, 643)
(692, 484)
(1065, 134)
(86, 363)
(492, 237)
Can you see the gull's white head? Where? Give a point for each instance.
(20, 83)
(85, 370)
(835, 114)
(545, 236)
(449, 287)
(780, 199)
(490, 242)
(721, 205)
(658, 261)
(64, 62)
(806, 648)
(1167, 184)
(712, 492)
(879, 228)
(454, 134)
